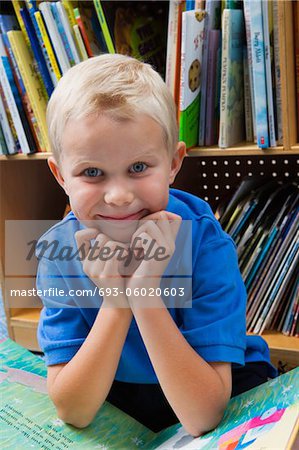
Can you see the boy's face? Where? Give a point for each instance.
(115, 171)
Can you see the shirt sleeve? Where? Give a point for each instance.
(62, 327)
(215, 326)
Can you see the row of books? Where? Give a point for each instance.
(223, 67)
(263, 220)
(40, 41)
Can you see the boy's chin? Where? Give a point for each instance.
(117, 230)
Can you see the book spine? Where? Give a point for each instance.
(22, 92)
(271, 120)
(38, 55)
(8, 86)
(68, 31)
(211, 120)
(80, 42)
(259, 72)
(32, 8)
(48, 47)
(247, 98)
(3, 146)
(83, 32)
(62, 34)
(212, 10)
(17, 5)
(249, 56)
(277, 64)
(172, 42)
(224, 80)
(69, 9)
(45, 8)
(9, 139)
(31, 82)
(104, 26)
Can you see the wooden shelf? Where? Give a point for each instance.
(23, 327)
(242, 149)
(22, 157)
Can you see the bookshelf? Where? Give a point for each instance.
(29, 192)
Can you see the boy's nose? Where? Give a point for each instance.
(118, 196)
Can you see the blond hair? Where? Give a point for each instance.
(115, 84)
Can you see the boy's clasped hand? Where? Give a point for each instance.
(127, 266)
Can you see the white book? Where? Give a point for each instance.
(45, 8)
(80, 42)
(10, 142)
(4, 66)
(68, 31)
(271, 120)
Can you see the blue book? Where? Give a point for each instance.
(38, 54)
(32, 8)
(254, 20)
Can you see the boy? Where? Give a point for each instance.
(113, 133)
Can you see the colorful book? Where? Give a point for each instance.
(56, 74)
(135, 28)
(277, 67)
(212, 114)
(232, 119)
(10, 121)
(32, 9)
(83, 32)
(190, 87)
(7, 133)
(3, 146)
(8, 23)
(62, 33)
(37, 52)
(31, 82)
(13, 99)
(61, 55)
(173, 41)
(264, 417)
(68, 31)
(247, 97)
(87, 20)
(259, 70)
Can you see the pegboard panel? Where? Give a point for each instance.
(216, 178)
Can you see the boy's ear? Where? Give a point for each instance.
(177, 160)
(55, 169)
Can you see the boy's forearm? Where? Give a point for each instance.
(82, 386)
(193, 388)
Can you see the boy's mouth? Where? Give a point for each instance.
(136, 216)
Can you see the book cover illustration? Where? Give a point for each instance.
(232, 119)
(190, 86)
(265, 416)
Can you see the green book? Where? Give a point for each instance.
(264, 417)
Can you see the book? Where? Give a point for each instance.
(32, 8)
(212, 22)
(26, 141)
(3, 146)
(173, 41)
(232, 119)
(7, 133)
(278, 58)
(9, 119)
(62, 33)
(212, 106)
(31, 82)
(56, 74)
(264, 417)
(267, 21)
(80, 42)
(37, 52)
(135, 28)
(247, 97)
(83, 32)
(190, 85)
(92, 35)
(62, 58)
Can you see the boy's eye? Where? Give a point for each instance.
(92, 172)
(138, 167)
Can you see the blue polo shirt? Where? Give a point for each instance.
(213, 323)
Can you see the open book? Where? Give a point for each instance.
(265, 417)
